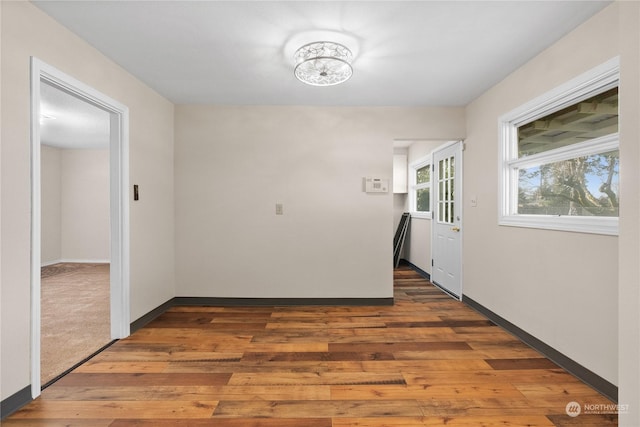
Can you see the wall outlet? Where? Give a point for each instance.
(279, 209)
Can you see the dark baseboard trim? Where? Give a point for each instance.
(416, 268)
(14, 402)
(253, 302)
(257, 302)
(585, 375)
(150, 316)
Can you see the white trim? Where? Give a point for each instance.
(421, 215)
(119, 211)
(598, 79)
(580, 224)
(76, 261)
(413, 187)
(582, 149)
(36, 232)
(594, 81)
(424, 160)
(447, 144)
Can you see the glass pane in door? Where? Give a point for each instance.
(446, 206)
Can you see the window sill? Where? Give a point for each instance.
(421, 215)
(591, 225)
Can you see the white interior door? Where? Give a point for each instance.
(446, 233)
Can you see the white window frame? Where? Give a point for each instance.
(414, 187)
(597, 80)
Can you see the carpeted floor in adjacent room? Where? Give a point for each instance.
(75, 315)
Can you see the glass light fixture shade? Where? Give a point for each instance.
(323, 64)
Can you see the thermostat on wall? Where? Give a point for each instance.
(376, 185)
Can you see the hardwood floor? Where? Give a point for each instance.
(426, 361)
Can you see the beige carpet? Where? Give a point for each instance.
(75, 315)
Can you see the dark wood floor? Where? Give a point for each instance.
(426, 361)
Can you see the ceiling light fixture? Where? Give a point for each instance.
(323, 63)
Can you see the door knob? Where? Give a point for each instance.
(456, 229)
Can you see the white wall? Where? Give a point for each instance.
(25, 32)
(51, 242)
(399, 199)
(560, 287)
(629, 240)
(85, 205)
(233, 164)
(75, 205)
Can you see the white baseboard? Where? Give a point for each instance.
(76, 261)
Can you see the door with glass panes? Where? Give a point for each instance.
(446, 234)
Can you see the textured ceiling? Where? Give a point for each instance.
(69, 122)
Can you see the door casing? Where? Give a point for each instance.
(119, 204)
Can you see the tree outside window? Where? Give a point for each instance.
(579, 186)
(420, 188)
(423, 189)
(560, 166)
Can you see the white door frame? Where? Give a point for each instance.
(458, 203)
(119, 204)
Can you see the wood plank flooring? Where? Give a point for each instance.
(426, 361)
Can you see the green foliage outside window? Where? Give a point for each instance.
(423, 200)
(423, 191)
(423, 175)
(584, 186)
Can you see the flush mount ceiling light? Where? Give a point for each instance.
(323, 63)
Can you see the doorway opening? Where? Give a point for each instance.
(96, 242)
(433, 197)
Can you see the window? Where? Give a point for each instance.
(560, 163)
(445, 189)
(420, 188)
